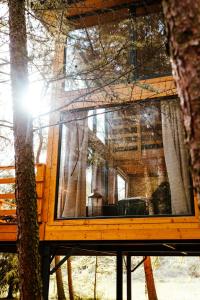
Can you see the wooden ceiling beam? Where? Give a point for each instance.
(89, 6)
(91, 12)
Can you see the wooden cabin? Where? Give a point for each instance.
(117, 175)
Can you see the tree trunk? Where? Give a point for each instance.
(95, 278)
(10, 291)
(26, 201)
(149, 279)
(183, 28)
(70, 284)
(59, 281)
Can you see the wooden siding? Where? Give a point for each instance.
(98, 97)
(150, 228)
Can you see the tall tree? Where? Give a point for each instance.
(59, 281)
(69, 276)
(26, 200)
(151, 289)
(95, 278)
(183, 27)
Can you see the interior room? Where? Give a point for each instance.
(123, 161)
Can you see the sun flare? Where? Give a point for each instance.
(36, 101)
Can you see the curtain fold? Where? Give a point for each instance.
(176, 156)
(112, 185)
(72, 194)
(98, 182)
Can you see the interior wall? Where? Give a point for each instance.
(142, 186)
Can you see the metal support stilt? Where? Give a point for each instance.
(119, 280)
(61, 262)
(45, 268)
(128, 266)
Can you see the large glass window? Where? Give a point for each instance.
(137, 166)
(116, 52)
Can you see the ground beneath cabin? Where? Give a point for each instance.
(176, 278)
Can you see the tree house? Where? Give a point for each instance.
(117, 173)
(117, 177)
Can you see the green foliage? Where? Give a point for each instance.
(47, 4)
(9, 273)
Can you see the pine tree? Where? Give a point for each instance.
(183, 26)
(26, 200)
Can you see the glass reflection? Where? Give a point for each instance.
(131, 161)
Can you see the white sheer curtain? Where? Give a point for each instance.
(112, 185)
(98, 181)
(72, 186)
(176, 157)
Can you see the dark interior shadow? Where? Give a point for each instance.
(161, 199)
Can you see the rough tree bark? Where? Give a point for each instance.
(150, 279)
(69, 276)
(183, 27)
(59, 281)
(26, 200)
(95, 278)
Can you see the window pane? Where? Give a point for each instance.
(140, 168)
(91, 119)
(101, 124)
(121, 187)
(116, 52)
